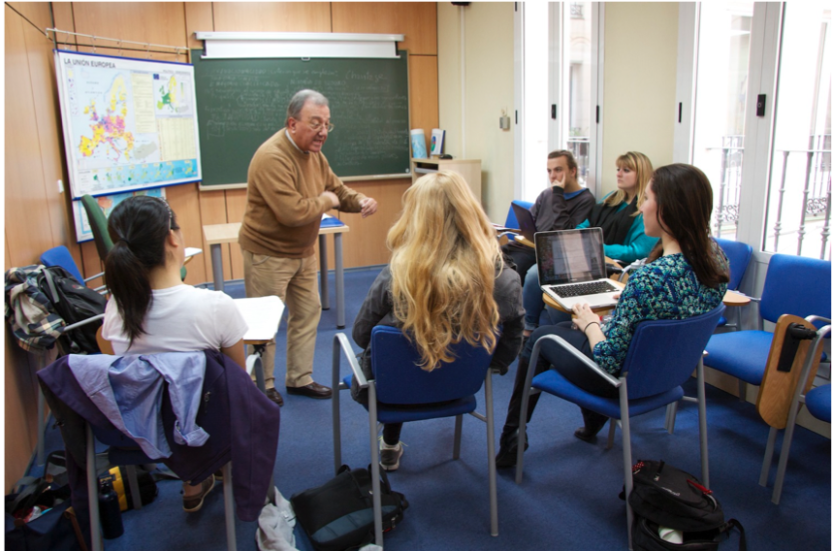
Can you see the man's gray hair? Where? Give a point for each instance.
(299, 100)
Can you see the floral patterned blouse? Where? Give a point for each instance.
(667, 288)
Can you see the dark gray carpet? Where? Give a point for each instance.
(568, 499)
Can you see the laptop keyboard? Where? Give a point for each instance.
(583, 289)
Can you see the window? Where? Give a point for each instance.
(797, 214)
(769, 165)
(571, 90)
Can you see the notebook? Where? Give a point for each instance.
(571, 268)
(525, 220)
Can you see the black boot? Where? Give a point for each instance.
(593, 423)
(507, 456)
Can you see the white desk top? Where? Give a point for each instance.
(262, 316)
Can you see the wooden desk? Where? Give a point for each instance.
(217, 234)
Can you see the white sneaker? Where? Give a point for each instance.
(390, 456)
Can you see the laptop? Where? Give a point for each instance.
(525, 220)
(571, 268)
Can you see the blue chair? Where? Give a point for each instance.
(447, 391)
(60, 256)
(794, 285)
(662, 356)
(773, 391)
(511, 219)
(739, 255)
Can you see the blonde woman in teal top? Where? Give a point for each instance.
(618, 215)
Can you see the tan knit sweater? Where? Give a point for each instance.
(283, 203)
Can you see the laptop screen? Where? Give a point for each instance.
(570, 256)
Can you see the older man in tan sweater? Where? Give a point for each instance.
(290, 185)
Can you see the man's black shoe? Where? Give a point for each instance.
(273, 395)
(312, 390)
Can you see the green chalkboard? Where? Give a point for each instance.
(241, 102)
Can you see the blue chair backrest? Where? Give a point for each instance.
(511, 219)
(796, 285)
(664, 353)
(60, 256)
(400, 380)
(739, 254)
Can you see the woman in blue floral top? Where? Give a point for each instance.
(686, 275)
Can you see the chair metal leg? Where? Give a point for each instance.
(92, 491)
(133, 481)
(772, 440)
(228, 497)
(41, 424)
(457, 436)
(374, 465)
(743, 391)
(703, 423)
(611, 434)
(336, 403)
(670, 417)
(784, 452)
(628, 458)
(492, 461)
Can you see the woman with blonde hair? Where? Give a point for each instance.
(445, 283)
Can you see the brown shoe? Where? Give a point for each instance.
(312, 390)
(273, 395)
(192, 504)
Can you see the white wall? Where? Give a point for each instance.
(639, 108)
(488, 90)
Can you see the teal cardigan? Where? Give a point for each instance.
(636, 245)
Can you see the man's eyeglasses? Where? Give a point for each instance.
(316, 125)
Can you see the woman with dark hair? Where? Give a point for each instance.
(152, 310)
(686, 275)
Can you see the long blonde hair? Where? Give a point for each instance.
(641, 165)
(443, 268)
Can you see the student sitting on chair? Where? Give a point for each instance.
(445, 282)
(562, 206)
(618, 215)
(152, 310)
(686, 275)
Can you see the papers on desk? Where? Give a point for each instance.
(262, 315)
(192, 251)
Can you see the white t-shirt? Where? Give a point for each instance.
(180, 319)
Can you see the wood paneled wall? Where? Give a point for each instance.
(38, 216)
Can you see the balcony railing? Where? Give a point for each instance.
(813, 210)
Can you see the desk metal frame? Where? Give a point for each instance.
(217, 234)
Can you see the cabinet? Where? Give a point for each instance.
(471, 170)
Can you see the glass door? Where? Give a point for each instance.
(798, 206)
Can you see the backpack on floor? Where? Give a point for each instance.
(664, 497)
(339, 514)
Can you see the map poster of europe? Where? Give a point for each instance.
(129, 124)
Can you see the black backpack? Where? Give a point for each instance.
(664, 496)
(74, 302)
(339, 514)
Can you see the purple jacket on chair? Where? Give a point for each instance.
(242, 422)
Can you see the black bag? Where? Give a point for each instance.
(339, 514)
(74, 302)
(665, 496)
(54, 530)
